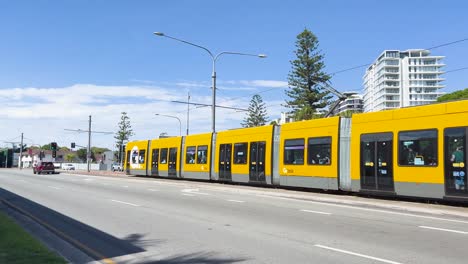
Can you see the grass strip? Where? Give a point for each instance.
(17, 246)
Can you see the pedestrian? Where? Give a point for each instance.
(458, 173)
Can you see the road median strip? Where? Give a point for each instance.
(60, 234)
(17, 246)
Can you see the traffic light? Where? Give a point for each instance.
(53, 147)
(73, 145)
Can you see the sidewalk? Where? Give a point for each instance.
(343, 200)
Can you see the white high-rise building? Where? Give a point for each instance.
(402, 78)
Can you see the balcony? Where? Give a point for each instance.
(392, 91)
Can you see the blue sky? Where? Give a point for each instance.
(53, 52)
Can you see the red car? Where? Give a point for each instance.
(44, 167)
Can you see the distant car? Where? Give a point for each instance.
(116, 167)
(44, 167)
(69, 167)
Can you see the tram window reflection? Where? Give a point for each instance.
(190, 155)
(319, 151)
(294, 151)
(418, 148)
(240, 153)
(202, 153)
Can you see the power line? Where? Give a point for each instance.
(447, 44)
(459, 69)
(431, 48)
(352, 68)
(341, 71)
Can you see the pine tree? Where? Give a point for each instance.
(306, 78)
(124, 133)
(257, 114)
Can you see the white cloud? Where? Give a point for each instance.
(194, 84)
(265, 83)
(42, 114)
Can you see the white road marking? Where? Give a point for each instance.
(236, 201)
(443, 229)
(153, 190)
(125, 186)
(194, 191)
(201, 193)
(187, 194)
(315, 212)
(22, 181)
(53, 187)
(125, 203)
(367, 209)
(87, 179)
(357, 254)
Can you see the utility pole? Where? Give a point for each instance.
(88, 152)
(20, 163)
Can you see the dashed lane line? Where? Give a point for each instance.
(445, 230)
(357, 254)
(367, 209)
(194, 191)
(236, 201)
(132, 204)
(315, 212)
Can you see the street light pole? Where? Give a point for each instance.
(188, 111)
(214, 58)
(178, 119)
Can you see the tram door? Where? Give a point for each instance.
(225, 162)
(455, 161)
(172, 165)
(127, 162)
(377, 162)
(155, 163)
(257, 162)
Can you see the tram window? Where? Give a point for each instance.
(319, 151)
(163, 157)
(202, 154)
(418, 148)
(190, 155)
(294, 151)
(240, 153)
(141, 156)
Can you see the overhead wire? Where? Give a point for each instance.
(431, 48)
(338, 72)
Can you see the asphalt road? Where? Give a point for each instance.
(127, 220)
